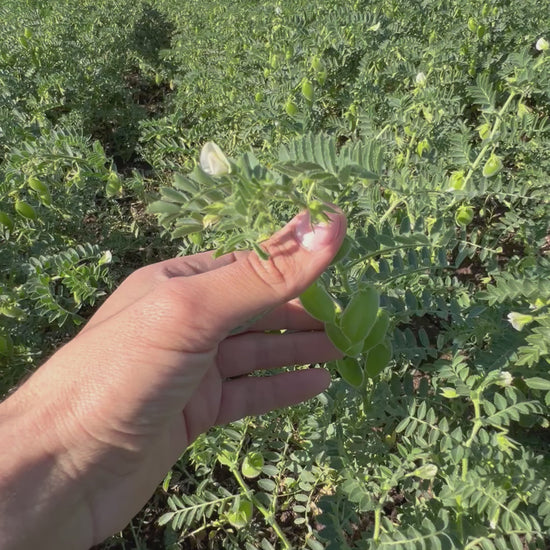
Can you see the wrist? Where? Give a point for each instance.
(42, 505)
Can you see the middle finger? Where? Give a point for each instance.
(243, 354)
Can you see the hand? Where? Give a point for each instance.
(159, 363)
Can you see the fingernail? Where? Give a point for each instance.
(315, 237)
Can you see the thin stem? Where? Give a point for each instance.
(425, 270)
(280, 474)
(379, 135)
(459, 522)
(377, 518)
(268, 516)
(380, 252)
(409, 149)
(477, 422)
(494, 251)
(477, 426)
(390, 210)
(310, 192)
(489, 143)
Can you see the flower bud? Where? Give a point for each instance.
(213, 161)
(421, 79)
(542, 44)
(504, 379)
(519, 320)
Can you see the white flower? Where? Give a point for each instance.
(542, 44)
(213, 161)
(421, 79)
(519, 320)
(504, 379)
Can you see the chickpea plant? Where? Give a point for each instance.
(367, 311)
(436, 385)
(220, 197)
(427, 124)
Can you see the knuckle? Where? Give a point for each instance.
(140, 276)
(277, 272)
(172, 319)
(173, 297)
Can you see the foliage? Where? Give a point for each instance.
(86, 64)
(427, 124)
(59, 190)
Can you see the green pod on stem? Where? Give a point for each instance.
(360, 314)
(350, 370)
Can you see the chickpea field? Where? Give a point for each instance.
(427, 123)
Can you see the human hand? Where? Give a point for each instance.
(157, 365)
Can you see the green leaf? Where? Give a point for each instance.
(165, 518)
(483, 92)
(515, 542)
(267, 485)
(173, 195)
(426, 471)
(241, 514)
(354, 170)
(184, 229)
(185, 184)
(166, 482)
(163, 207)
(537, 383)
(252, 465)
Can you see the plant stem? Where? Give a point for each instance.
(380, 252)
(484, 150)
(475, 429)
(268, 516)
(459, 523)
(465, 465)
(390, 210)
(377, 517)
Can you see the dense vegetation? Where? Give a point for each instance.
(427, 123)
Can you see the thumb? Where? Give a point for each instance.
(239, 292)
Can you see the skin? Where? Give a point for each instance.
(93, 432)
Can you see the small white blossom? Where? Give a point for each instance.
(519, 320)
(542, 44)
(505, 379)
(213, 161)
(421, 79)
